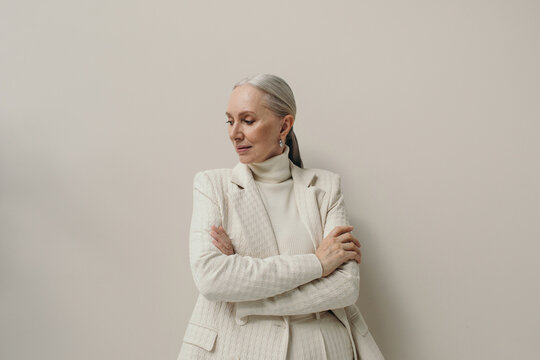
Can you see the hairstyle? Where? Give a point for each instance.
(280, 100)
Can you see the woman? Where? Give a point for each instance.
(271, 248)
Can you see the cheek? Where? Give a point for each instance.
(257, 135)
(252, 135)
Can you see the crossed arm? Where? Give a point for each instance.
(276, 285)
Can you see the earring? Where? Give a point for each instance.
(280, 143)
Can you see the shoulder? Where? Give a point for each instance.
(214, 176)
(324, 173)
(329, 182)
(325, 178)
(212, 180)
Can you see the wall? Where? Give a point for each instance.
(428, 109)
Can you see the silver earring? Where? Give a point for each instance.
(280, 143)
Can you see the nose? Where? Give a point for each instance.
(236, 131)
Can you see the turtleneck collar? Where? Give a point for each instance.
(273, 170)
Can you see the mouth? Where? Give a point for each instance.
(241, 149)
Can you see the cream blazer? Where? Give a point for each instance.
(235, 290)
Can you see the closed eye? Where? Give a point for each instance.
(249, 122)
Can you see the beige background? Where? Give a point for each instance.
(428, 109)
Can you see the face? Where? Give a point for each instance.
(252, 125)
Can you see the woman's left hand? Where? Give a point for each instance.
(221, 240)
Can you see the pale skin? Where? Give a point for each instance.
(250, 123)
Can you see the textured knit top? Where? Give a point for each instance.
(274, 180)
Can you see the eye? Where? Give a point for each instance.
(249, 122)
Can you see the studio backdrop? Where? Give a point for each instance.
(429, 111)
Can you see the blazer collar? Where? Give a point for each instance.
(242, 175)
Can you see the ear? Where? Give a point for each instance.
(287, 124)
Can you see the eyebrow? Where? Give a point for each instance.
(241, 113)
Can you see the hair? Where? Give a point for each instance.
(280, 100)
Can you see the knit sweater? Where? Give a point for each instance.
(274, 180)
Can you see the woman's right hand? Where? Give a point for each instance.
(337, 247)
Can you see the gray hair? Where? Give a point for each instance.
(280, 100)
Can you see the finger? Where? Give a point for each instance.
(223, 234)
(338, 230)
(344, 238)
(351, 247)
(355, 257)
(224, 241)
(216, 235)
(225, 237)
(350, 255)
(218, 245)
(222, 230)
(218, 229)
(223, 249)
(348, 237)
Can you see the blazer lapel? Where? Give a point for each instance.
(254, 220)
(307, 197)
(249, 208)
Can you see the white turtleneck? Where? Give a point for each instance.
(274, 180)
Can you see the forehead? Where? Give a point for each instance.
(246, 98)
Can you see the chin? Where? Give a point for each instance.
(244, 160)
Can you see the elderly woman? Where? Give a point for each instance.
(271, 247)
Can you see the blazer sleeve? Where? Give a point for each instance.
(231, 278)
(339, 289)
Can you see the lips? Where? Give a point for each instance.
(242, 149)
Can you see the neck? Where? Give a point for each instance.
(275, 169)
